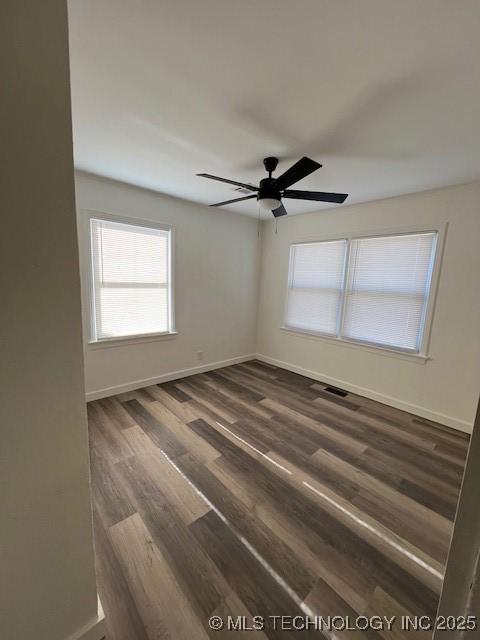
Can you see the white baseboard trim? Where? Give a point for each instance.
(165, 377)
(94, 630)
(422, 412)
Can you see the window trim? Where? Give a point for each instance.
(114, 341)
(422, 354)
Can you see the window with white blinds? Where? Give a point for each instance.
(387, 289)
(315, 286)
(385, 298)
(131, 280)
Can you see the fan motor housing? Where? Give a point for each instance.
(265, 190)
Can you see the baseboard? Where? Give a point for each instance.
(93, 630)
(165, 377)
(422, 412)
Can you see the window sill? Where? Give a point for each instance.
(382, 351)
(124, 341)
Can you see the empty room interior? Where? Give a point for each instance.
(241, 316)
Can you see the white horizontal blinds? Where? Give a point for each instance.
(315, 286)
(130, 279)
(387, 289)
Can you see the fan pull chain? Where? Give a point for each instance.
(258, 220)
(276, 226)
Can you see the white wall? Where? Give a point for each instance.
(217, 273)
(216, 283)
(47, 579)
(446, 387)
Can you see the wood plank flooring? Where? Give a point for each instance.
(252, 490)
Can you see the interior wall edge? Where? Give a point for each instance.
(165, 377)
(421, 412)
(95, 629)
(261, 236)
(460, 595)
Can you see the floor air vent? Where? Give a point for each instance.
(337, 392)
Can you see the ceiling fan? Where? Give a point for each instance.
(270, 191)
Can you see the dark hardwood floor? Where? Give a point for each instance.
(252, 490)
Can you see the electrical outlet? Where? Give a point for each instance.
(199, 355)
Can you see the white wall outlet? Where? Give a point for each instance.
(199, 355)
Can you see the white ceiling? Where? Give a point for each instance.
(384, 93)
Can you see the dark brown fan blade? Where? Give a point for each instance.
(239, 184)
(219, 204)
(280, 211)
(304, 167)
(319, 196)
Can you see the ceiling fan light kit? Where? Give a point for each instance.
(270, 191)
(269, 204)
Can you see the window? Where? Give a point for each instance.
(131, 279)
(315, 286)
(387, 291)
(385, 297)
